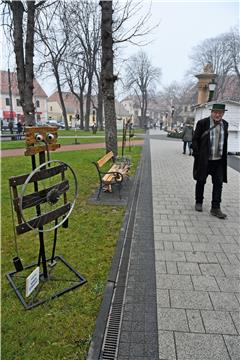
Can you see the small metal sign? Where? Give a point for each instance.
(32, 281)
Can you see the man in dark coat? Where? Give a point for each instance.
(210, 157)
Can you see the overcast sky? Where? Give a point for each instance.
(184, 25)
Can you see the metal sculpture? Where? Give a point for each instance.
(47, 197)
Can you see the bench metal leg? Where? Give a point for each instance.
(99, 192)
(119, 190)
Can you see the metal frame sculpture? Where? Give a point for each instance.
(127, 127)
(38, 210)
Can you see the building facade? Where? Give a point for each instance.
(10, 107)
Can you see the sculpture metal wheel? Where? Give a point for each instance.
(48, 194)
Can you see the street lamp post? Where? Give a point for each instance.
(211, 88)
(172, 113)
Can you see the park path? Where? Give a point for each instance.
(20, 152)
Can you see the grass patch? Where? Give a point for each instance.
(62, 328)
(89, 138)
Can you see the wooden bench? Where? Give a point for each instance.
(115, 175)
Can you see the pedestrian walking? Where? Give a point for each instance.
(187, 135)
(210, 157)
(19, 129)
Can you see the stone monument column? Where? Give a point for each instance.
(204, 79)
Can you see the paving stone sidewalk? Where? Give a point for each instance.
(197, 261)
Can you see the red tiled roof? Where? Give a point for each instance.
(4, 86)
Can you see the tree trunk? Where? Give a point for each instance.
(24, 64)
(108, 78)
(81, 102)
(61, 98)
(88, 102)
(100, 104)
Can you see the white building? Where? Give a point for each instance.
(232, 116)
(14, 111)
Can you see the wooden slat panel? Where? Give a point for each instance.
(119, 168)
(40, 197)
(33, 150)
(41, 175)
(105, 159)
(43, 219)
(108, 178)
(30, 133)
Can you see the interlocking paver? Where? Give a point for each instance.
(207, 283)
(194, 346)
(188, 268)
(167, 281)
(224, 301)
(195, 321)
(167, 255)
(233, 345)
(211, 269)
(172, 319)
(207, 255)
(197, 267)
(218, 322)
(190, 299)
(227, 284)
(166, 345)
(236, 319)
(163, 298)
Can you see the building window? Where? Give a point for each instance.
(18, 102)
(37, 103)
(50, 108)
(7, 101)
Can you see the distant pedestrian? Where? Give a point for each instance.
(19, 129)
(94, 127)
(10, 125)
(187, 135)
(210, 157)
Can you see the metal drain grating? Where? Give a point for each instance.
(112, 332)
(109, 348)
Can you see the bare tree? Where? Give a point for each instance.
(233, 43)
(141, 76)
(84, 25)
(223, 53)
(108, 78)
(54, 35)
(76, 77)
(22, 24)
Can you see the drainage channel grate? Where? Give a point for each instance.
(110, 343)
(113, 326)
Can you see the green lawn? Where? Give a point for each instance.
(61, 328)
(72, 138)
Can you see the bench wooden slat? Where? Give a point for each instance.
(115, 175)
(108, 178)
(105, 159)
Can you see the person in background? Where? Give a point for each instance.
(210, 157)
(187, 135)
(10, 125)
(19, 129)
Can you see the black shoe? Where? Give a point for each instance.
(184, 153)
(198, 207)
(218, 213)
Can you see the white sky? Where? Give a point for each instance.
(184, 25)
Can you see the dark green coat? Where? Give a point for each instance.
(201, 150)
